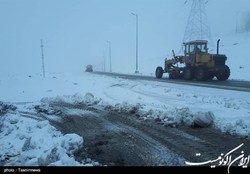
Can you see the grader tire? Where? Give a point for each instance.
(159, 72)
(223, 73)
(188, 74)
(201, 73)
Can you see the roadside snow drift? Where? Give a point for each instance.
(30, 142)
(169, 116)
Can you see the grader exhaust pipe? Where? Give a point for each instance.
(218, 45)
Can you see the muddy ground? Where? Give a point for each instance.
(123, 139)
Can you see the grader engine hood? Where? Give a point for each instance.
(219, 59)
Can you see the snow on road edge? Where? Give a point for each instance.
(30, 142)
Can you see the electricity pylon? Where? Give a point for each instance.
(197, 26)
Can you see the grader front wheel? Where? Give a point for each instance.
(159, 72)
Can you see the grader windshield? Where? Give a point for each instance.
(194, 47)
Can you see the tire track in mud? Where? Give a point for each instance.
(123, 139)
(161, 98)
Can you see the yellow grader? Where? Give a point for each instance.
(198, 63)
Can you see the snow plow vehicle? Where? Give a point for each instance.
(89, 68)
(197, 63)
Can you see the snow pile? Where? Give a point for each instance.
(181, 116)
(87, 99)
(64, 154)
(237, 127)
(46, 108)
(124, 108)
(169, 117)
(29, 142)
(4, 108)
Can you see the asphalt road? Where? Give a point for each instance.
(236, 85)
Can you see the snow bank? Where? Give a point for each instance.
(236, 127)
(168, 116)
(181, 116)
(172, 104)
(29, 142)
(77, 98)
(174, 116)
(4, 108)
(124, 108)
(45, 108)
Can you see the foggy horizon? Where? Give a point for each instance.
(75, 33)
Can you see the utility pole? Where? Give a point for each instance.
(136, 54)
(42, 58)
(110, 70)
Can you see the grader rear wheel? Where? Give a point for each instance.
(201, 73)
(188, 74)
(223, 73)
(174, 75)
(210, 75)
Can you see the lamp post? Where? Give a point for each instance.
(136, 15)
(110, 70)
(42, 58)
(104, 62)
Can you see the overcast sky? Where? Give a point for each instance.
(75, 32)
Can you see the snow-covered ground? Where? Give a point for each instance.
(32, 141)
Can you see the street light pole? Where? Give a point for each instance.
(42, 58)
(104, 61)
(136, 15)
(110, 56)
